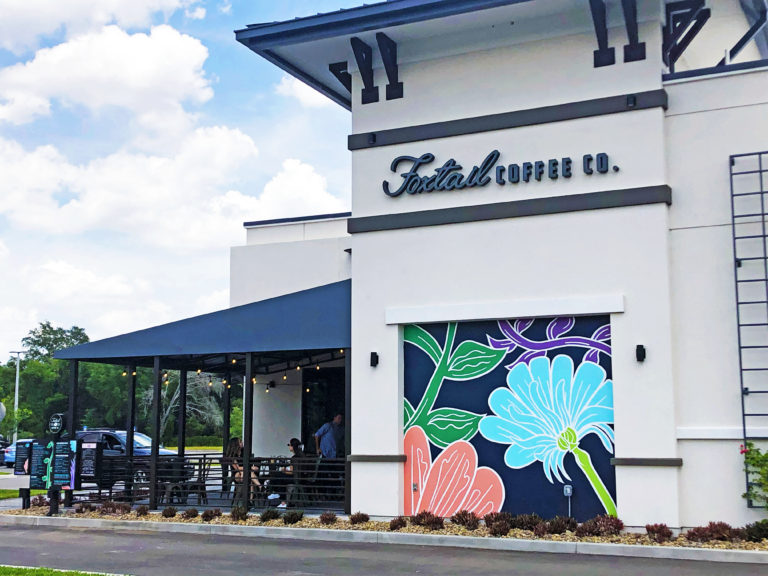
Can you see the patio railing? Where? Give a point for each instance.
(211, 481)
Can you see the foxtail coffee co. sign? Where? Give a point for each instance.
(451, 176)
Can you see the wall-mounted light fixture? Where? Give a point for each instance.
(374, 359)
(640, 353)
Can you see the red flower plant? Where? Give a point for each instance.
(451, 483)
(742, 449)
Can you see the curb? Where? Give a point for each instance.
(317, 534)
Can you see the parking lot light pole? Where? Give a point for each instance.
(16, 397)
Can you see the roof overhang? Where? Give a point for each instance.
(308, 326)
(304, 47)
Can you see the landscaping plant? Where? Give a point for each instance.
(525, 521)
(500, 527)
(238, 514)
(757, 531)
(359, 518)
(600, 526)
(269, 514)
(756, 466)
(169, 512)
(293, 516)
(142, 510)
(207, 515)
(190, 514)
(397, 523)
(719, 531)
(658, 532)
(327, 518)
(561, 525)
(465, 518)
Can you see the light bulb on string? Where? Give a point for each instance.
(125, 373)
(210, 382)
(266, 390)
(133, 373)
(234, 361)
(317, 367)
(199, 370)
(307, 390)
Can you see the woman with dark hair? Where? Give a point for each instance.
(233, 458)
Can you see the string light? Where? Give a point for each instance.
(234, 361)
(210, 382)
(285, 376)
(224, 381)
(341, 351)
(229, 386)
(307, 390)
(298, 367)
(125, 373)
(317, 367)
(253, 380)
(199, 370)
(133, 373)
(266, 389)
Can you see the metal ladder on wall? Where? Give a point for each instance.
(749, 218)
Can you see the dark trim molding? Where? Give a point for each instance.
(650, 462)
(506, 120)
(376, 458)
(754, 65)
(335, 216)
(514, 209)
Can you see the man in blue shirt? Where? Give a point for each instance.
(325, 437)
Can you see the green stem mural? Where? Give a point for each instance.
(585, 463)
(470, 360)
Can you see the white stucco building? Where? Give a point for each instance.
(602, 193)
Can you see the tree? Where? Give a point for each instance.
(43, 341)
(202, 404)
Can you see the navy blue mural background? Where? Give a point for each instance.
(527, 490)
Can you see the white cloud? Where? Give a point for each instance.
(308, 97)
(197, 13)
(24, 22)
(4, 251)
(150, 75)
(225, 7)
(58, 280)
(218, 300)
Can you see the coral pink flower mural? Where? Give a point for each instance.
(451, 483)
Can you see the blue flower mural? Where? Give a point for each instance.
(544, 413)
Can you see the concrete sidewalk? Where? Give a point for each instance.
(353, 536)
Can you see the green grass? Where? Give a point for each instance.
(16, 571)
(7, 494)
(197, 448)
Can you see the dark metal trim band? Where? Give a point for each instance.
(376, 458)
(514, 209)
(651, 462)
(506, 120)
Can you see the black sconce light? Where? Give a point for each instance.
(374, 359)
(640, 353)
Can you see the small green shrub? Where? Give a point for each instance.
(465, 518)
(142, 510)
(327, 518)
(293, 516)
(238, 514)
(269, 514)
(757, 531)
(169, 512)
(658, 532)
(207, 515)
(190, 514)
(359, 518)
(397, 523)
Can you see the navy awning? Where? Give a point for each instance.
(294, 326)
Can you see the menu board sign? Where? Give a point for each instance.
(63, 465)
(21, 464)
(38, 466)
(54, 464)
(90, 460)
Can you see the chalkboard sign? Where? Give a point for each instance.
(38, 465)
(21, 464)
(63, 470)
(90, 460)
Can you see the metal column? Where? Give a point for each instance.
(74, 375)
(248, 427)
(157, 386)
(182, 416)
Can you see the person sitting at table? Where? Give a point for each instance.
(290, 474)
(234, 454)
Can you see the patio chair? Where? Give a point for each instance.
(199, 486)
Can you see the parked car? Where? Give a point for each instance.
(115, 444)
(10, 452)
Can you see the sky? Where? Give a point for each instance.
(136, 137)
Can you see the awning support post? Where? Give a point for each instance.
(247, 428)
(157, 387)
(182, 416)
(347, 431)
(227, 413)
(74, 375)
(129, 428)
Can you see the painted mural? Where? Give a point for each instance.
(501, 415)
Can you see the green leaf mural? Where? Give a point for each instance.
(470, 360)
(447, 425)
